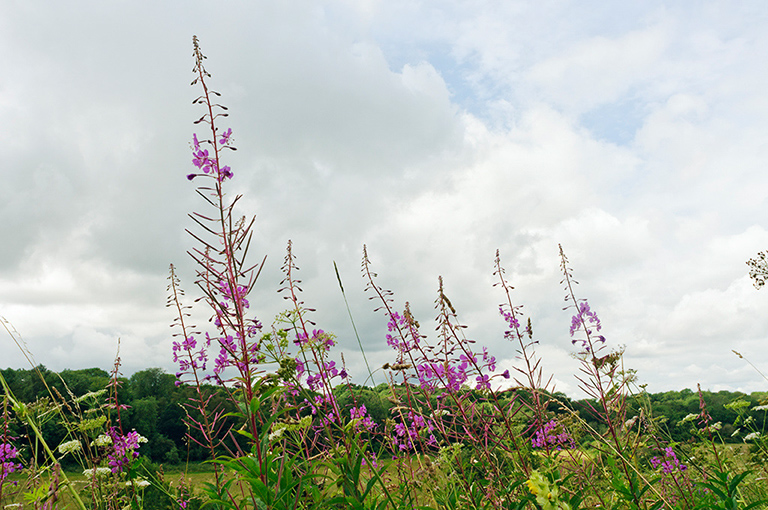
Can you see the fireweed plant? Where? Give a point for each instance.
(284, 427)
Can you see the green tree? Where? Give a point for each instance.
(152, 382)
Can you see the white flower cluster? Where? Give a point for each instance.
(102, 440)
(688, 418)
(69, 447)
(751, 436)
(137, 483)
(714, 427)
(99, 472)
(90, 395)
(760, 408)
(276, 433)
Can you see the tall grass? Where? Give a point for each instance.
(460, 434)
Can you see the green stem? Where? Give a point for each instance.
(354, 328)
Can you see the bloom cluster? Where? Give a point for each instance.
(318, 344)
(319, 336)
(125, 447)
(70, 447)
(8, 453)
(235, 350)
(188, 358)
(674, 475)
(513, 333)
(410, 429)
(435, 374)
(401, 343)
(437, 367)
(209, 165)
(451, 375)
(547, 436)
(238, 296)
(359, 418)
(668, 462)
(588, 319)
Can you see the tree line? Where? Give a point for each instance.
(154, 406)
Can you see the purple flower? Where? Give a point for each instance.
(209, 165)
(124, 449)
(668, 463)
(511, 320)
(359, 413)
(301, 339)
(226, 137)
(584, 316)
(483, 382)
(548, 436)
(8, 453)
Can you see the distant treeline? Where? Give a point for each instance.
(155, 407)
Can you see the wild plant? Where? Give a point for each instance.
(291, 410)
(448, 401)
(602, 378)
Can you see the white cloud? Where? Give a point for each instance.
(599, 70)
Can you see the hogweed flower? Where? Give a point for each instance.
(99, 472)
(70, 447)
(688, 418)
(102, 440)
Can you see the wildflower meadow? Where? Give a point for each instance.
(272, 420)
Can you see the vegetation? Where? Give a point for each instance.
(282, 427)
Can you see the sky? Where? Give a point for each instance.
(434, 133)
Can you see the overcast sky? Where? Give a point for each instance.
(635, 134)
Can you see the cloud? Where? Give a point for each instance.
(632, 135)
(599, 70)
